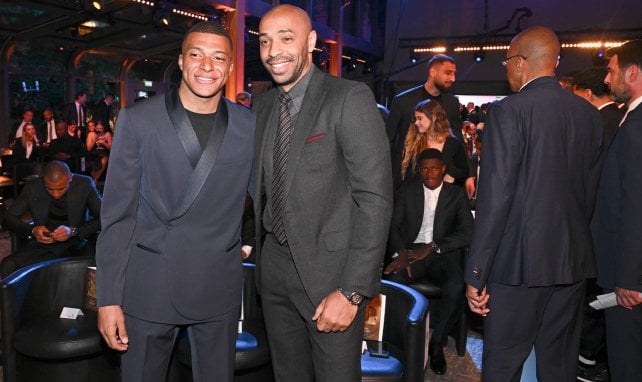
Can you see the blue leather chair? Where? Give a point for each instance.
(404, 332)
(40, 346)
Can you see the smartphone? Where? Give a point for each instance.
(378, 349)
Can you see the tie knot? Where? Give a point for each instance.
(284, 98)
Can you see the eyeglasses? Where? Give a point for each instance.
(505, 62)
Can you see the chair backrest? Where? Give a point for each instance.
(45, 288)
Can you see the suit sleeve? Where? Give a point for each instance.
(118, 212)
(93, 203)
(629, 260)
(13, 217)
(458, 236)
(396, 239)
(394, 119)
(503, 146)
(367, 159)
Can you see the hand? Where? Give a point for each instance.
(62, 233)
(334, 313)
(111, 324)
(627, 298)
(477, 300)
(42, 234)
(470, 187)
(419, 253)
(449, 179)
(398, 263)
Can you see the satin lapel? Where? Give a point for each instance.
(312, 102)
(442, 202)
(205, 163)
(183, 127)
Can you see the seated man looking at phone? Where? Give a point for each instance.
(65, 209)
(431, 226)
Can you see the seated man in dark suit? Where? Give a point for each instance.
(431, 226)
(67, 146)
(58, 203)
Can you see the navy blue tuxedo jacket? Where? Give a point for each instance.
(169, 250)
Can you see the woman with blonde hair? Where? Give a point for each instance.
(28, 148)
(430, 130)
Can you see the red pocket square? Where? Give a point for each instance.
(315, 137)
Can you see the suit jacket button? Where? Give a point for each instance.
(476, 272)
(169, 227)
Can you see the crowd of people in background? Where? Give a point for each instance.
(531, 249)
(80, 136)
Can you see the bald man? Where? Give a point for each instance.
(328, 203)
(65, 209)
(531, 248)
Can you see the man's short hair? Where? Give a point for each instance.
(56, 170)
(439, 59)
(80, 94)
(430, 154)
(629, 53)
(593, 79)
(211, 27)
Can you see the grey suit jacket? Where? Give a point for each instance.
(537, 189)
(338, 184)
(170, 246)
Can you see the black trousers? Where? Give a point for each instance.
(624, 342)
(299, 351)
(212, 346)
(445, 271)
(520, 317)
(34, 252)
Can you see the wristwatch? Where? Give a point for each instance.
(435, 247)
(354, 298)
(74, 231)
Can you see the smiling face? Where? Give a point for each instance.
(206, 63)
(422, 122)
(286, 43)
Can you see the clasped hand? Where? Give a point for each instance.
(44, 236)
(406, 258)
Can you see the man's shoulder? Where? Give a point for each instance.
(79, 180)
(409, 93)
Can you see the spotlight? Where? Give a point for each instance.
(161, 15)
(367, 68)
(414, 57)
(352, 65)
(479, 56)
(93, 5)
(598, 58)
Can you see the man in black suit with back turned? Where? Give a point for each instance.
(65, 209)
(589, 84)
(328, 201)
(77, 111)
(616, 225)
(531, 248)
(431, 226)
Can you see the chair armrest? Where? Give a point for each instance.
(409, 334)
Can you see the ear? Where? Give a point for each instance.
(632, 73)
(180, 61)
(231, 67)
(312, 40)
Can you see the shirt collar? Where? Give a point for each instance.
(298, 90)
(636, 102)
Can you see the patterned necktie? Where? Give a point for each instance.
(281, 148)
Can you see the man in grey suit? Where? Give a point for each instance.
(323, 164)
(168, 254)
(531, 248)
(616, 226)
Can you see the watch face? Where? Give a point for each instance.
(356, 298)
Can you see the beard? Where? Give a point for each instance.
(443, 87)
(620, 94)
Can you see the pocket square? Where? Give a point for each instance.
(315, 137)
